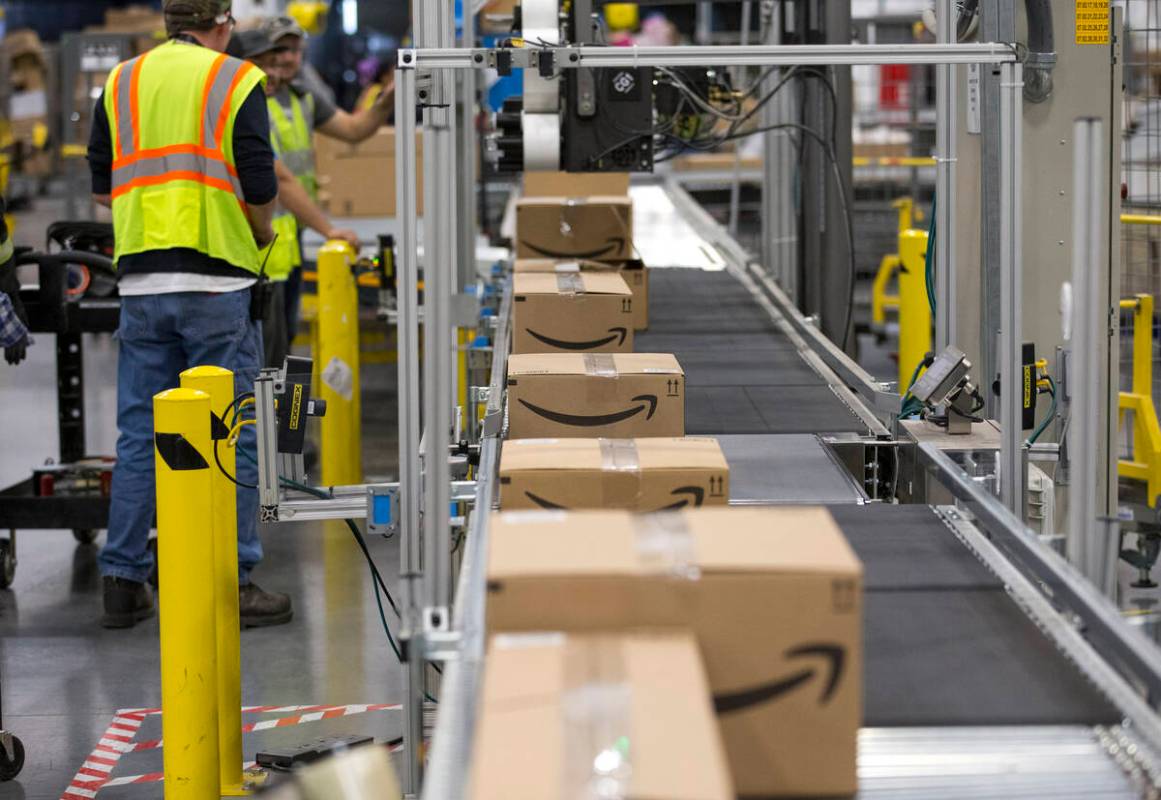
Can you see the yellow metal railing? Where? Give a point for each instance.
(336, 355)
(881, 299)
(1144, 462)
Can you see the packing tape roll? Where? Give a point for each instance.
(541, 142)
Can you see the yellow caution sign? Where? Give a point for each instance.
(1092, 21)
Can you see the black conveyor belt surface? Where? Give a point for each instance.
(742, 374)
(945, 644)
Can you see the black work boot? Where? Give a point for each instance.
(126, 603)
(261, 609)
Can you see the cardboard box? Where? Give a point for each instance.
(575, 184)
(571, 312)
(359, 180)
(574, 395)
(774, 596)
(597, 227)
(634, 271)
(629, 474)
(553, 704)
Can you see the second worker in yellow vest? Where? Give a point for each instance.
(296, 206)
(302, 103)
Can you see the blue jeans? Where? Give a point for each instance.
(160, 337)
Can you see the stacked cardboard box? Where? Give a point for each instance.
(596, 227)
(576, 184)
(358, 180)
(28, 102)
(629, 474)
(633, 271)
(611, 715)
(773, 596)
(575, 312)
(575, 395)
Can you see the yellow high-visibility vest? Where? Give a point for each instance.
(175, 184)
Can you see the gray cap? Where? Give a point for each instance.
(278, 27)
(249, 44)
(193, 15)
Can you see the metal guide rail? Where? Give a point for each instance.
(1112, 757)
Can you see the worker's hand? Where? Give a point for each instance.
(16, 353)
(344, 235)
(385, 102)
(263, 236)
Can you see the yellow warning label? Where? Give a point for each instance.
(1092, 21)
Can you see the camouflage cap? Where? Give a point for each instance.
(194, 15)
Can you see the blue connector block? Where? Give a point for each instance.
(382, 511)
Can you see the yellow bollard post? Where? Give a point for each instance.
(914, 309)
(337, 359)
(183, 453)
(218, 383)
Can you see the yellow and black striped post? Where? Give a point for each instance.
(218, 383)
(183, 453)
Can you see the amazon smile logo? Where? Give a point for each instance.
(648, 401)
(833, 657)
(695, 498)
(614, 244)
(617, 335)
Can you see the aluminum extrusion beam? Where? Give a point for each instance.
(1012, 470)
(945, 182)
(720, 56)
(1087, 542)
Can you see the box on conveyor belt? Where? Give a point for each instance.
(629, 474)
(607, 715)
(633, 271)
(618, 395)
(571, 312)
(575, 184)
(598, 227)
(774, 596)
(358, 180)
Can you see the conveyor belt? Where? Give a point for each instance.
(945, 643)
(743, 375)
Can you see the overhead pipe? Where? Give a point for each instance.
(1041, 56)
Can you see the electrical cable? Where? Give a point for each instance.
(929, 258)
(1043, 426)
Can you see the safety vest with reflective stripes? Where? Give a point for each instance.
(295, 138)
(175, 185)
(285, 254)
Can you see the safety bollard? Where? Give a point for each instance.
(914, 308)
(218, 383)
(337, 359)
(183, 453)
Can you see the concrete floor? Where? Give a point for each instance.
(63, 676)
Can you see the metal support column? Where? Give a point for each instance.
(410, 481)
(466, 159)
(1012, 473)
(1087, 544)
(736, 186)
(945, 182)
(440, 280)
(997, 24)
(779, 243)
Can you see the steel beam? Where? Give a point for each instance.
(946, 104)
(1012, 471)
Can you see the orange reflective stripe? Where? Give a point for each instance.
(209, 87)
(116, 86)
(224, 113)
(135, 119)
(170, 177)
(174, 150)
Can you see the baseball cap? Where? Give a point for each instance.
(186, 15)
(277, 27)
(249, 44)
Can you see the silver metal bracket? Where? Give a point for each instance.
(436, 620)
(442, 645)
(382, 510)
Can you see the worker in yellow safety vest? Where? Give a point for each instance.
(180, 151)
(302, 105)
(295, 202)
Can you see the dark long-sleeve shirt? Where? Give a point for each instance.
(253, 158)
